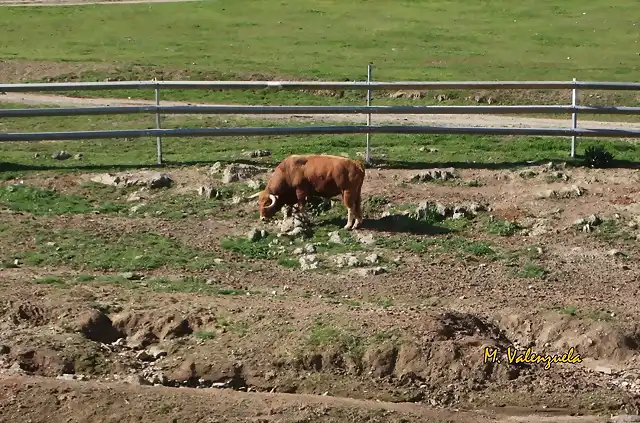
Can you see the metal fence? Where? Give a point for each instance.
(573, 131)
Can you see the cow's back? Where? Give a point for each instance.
(329, 175)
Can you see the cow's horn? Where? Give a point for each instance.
(254, 195)
(273, 200)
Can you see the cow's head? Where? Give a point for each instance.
(268, 204)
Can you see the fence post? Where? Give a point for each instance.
(158, 138)
(367, 156)
(574, 117)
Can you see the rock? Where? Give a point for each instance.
(269, 375)
(308, 262)
(69, 376)
(434, 174)
(371, 271)
(207, 191)
(36, 156)
(334, 237)
(240, 172)
(215, 168)
(254, 235)
(135, 196)
(527, 174)
(159, 180)
(253, 184)
(309, 248)
(366, 239)
(298, 251)
(347, 260)
(442, 97)
(476, 208)
(298, 224)
(372, 258)
(156, 352)
(60, 155)
(135, 379)
(131, 276)
(624, 418)
(107, 179)
(259, 153)
(78, 156)
(616, 253)
(603, 369)
(4, 349)
(150, 179)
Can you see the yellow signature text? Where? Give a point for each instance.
(530, 357)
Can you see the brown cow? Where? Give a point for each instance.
(300, 176)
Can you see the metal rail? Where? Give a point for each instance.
(315, 130)
(315, 85)
(329, 110)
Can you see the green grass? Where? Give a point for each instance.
(437, 40)
(330, 39)
(401, 151)
(84, 249)
(46, 202)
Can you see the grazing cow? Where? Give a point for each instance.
(300, 176)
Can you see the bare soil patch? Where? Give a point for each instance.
(320, 344)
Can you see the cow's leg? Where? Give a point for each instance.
(358, 211)
(349, 202)
(301, 195)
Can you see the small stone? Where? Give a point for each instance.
(132, 276)
(60, 155)
(78, 156)
(298, 251)
(308, 262)
(156, 352)
(144, 356)
(604, 369)
(135, 379)
(269, 375)
(159, 180)
(309, 248)
(625, 418)
(254, 184)
(372, 258)
(335, 238)
(4, 349)
(366, 239)
(371, 271)
(207, 191)
(253, 235)
(260, 153)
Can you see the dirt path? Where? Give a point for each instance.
(447, 119)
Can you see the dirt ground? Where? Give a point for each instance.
(333, 344)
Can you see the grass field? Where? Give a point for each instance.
(406, 40)
(130, 284)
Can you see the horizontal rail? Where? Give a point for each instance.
(292, 110)
(327, 85)
(313, 130)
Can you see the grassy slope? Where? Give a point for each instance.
(406, 40)
(333, 39)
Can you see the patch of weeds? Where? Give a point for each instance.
(385, 303)
(374, 204)
(188, 284)
(474, 183)
(352, 303)
(600, 316)
(85, 278)
(528, 174)
(322, 336)
(531, 270)
(568, 310)
(180, 206)
(129, 252)
(610, 231)
(597, 157)
(47, 202)
(258, 250)
(49, 280)
(322, 240)
(501, 227)
(204, 335)
(288, 262)
(7, 264)
(236, 327)
(384, 336)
